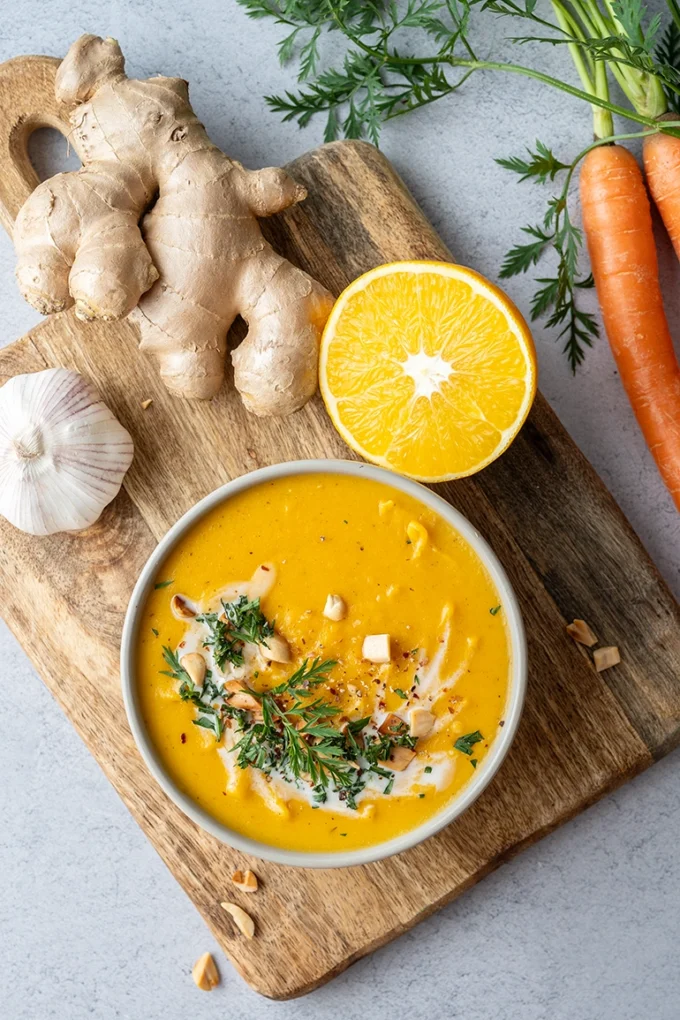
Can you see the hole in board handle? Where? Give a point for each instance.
(50, 153)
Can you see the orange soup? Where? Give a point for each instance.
(323, 662)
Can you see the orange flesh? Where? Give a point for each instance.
(330, 534)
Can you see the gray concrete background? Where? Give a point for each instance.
(584, 926)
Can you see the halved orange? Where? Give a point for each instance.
(427, 368)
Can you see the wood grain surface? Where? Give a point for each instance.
(567, 548)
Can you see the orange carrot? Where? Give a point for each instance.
(618, 228)
(661, 157)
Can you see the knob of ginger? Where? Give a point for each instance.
(184, 270)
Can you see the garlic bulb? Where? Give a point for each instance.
(63, 454)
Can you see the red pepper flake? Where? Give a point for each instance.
(182, 644)
(502, 722)
(183, 737)
(265, 568)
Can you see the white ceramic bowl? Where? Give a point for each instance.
(482, 775)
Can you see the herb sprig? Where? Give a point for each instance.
(243, 623)
(376, 79)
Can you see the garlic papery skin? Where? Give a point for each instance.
(63, 454)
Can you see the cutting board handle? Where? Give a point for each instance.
(27, 102)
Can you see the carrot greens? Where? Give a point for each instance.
(399, 57)
(599, 37)
(378, 78)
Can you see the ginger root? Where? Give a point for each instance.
(159, 224)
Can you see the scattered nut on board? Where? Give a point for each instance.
(581, 633)
(243, 921)
(246, 881)
(605, 658)
(146, 404)
(205, 973)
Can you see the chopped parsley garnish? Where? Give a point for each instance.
(494, 610)
(154, 631)
(295, 737)
(473, 762)
(242, 622)
(162, 584)
(398, 690)
(427, 770)
(467, 742)
(293, 731)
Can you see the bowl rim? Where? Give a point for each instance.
(482, 775)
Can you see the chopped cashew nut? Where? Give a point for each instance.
(205, 973)
(581, 632)
(194, 664)
(392, 724)
(376, 648)
(240, 697)
(160, 224)
(146, 404)
(276, 649)
(335, 608)
(421, 722)
(400, 758)
(418, 536)
(384, 507)
(605, 658)
(180, 609)
(243, 921)
(246, 881)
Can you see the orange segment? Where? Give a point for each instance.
(427, 368)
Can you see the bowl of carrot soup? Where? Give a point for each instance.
(323, 663)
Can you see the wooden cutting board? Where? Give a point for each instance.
(566, 546)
